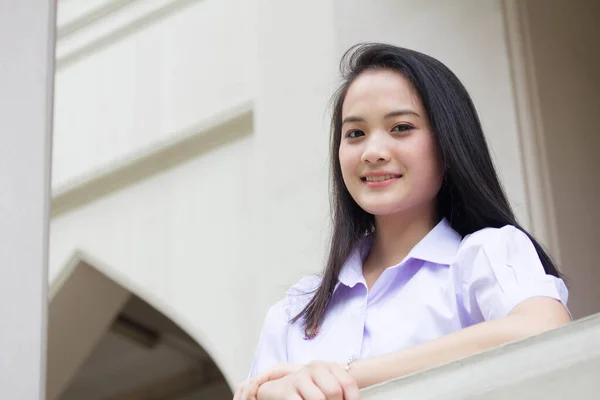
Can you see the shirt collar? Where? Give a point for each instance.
(439, 246)
(351, 272)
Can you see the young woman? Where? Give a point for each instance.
(426, 264)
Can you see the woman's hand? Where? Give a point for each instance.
(315, 381)
(248, 389)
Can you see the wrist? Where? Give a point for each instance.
(352, 366)
(348, 364)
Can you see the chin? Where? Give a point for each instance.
(380, 210)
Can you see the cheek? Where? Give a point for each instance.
(348, 163)
(427, 165)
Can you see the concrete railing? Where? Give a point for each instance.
(560, 364)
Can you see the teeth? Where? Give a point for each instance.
(380, 178)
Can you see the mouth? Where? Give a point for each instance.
(380, 178)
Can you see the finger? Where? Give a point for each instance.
(280, 371)
(238, 392)
(346, 381)
(295, 396)
(250, 391)
(276, 372)
(326, 382)
(283, 389)
(244, 391)
(250, 387)
(307, 389)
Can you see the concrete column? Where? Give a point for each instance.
(296, 69)
(26, 81)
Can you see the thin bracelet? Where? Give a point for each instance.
(349, 363)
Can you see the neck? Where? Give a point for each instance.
(396, 235)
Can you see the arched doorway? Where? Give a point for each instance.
(105, 342)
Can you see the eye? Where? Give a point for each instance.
(355, 133)
(402, 128)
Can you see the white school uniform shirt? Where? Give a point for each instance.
(446, 283)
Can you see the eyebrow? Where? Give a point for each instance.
(397, 113)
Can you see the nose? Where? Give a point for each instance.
(376, 150)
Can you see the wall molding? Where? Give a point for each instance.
(108, 22)
(76, 20)
(219, 130)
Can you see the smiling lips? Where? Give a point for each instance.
(380, 180)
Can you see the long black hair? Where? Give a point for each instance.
(471, 196)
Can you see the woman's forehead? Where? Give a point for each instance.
(382, 90)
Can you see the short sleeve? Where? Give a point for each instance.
(271, 349)
(500, 269)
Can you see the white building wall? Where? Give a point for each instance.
(144, 88)
(213, 241)
(177, 240)
(296, 75)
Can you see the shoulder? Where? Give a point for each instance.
(500, 268)
(507, 246)
(299, 294)
(495, 242)
(306, 283)
(493, 236)
(296, 298)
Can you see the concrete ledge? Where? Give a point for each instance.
(560, 364)
(193, 142)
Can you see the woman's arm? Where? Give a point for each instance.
(531, 317)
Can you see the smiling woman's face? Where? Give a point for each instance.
(388, 156)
